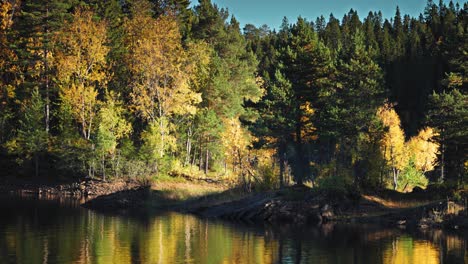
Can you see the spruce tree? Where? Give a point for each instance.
(31, 138)
(348, 108)
(36, 26)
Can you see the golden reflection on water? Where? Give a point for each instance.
(404, 250)
(82, 236)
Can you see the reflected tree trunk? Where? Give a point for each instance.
(298, 248)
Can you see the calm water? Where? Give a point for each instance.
(59, 231)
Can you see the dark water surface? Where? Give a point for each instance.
(60, 231)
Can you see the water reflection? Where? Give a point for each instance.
(54, 231)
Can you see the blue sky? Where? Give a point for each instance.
(271, 12)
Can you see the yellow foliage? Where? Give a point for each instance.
(308, 129)
(82, 51)
(81, 66)
(84, 105)
(159, 65)
(393, 142)
(198, 63)
(235, 139)
(7, 91)
(6, 20)
(424, 149)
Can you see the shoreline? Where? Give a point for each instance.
(88, 188)
(297, 205)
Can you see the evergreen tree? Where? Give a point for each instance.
(31, 138)
(332, 34)
(36, 26)
(275, 125)
(308, 66)
(356, 96)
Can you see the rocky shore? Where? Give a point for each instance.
(294, 205)
(298, 205)
(130, 200)
(317, 209)
(84, 188)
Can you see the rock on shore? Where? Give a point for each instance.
(122, 201)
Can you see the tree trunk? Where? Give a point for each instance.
(161, 129)
(442, 164)
(193, 157)
(299, 154)
(207, 159)
(189, 149)
(116, 168)
(200, 164)
(395, 178)
(103, 164)
(46, 79)
(225, 167)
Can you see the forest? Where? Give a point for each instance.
(137, 89)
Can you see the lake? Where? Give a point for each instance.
(55, 230)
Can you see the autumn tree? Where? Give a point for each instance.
(112, 127)
(424, 150)
(82, 68)
(8, 70)
(393, 142)
(158, 62)
(408, 160)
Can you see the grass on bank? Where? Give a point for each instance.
(168, 192)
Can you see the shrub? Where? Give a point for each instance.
(411, 177)
(268, 178)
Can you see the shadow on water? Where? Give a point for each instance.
(51, 230)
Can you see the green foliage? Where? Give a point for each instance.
(112, 126)
(448, 114)
(154, 143)
(31, 138)
(337, 187)
(267, 178)
(411, 177)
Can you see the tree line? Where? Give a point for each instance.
(136, 88)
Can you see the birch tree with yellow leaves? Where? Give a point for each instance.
(424, 149)
(81, 67)
(415, 157)
(393, 141)
(159, 66)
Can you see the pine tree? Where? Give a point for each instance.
(332, 34)
(275, 126)
(308, 66)
(356, 96)
(36, 26)
(31, 138)
(448, 114)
